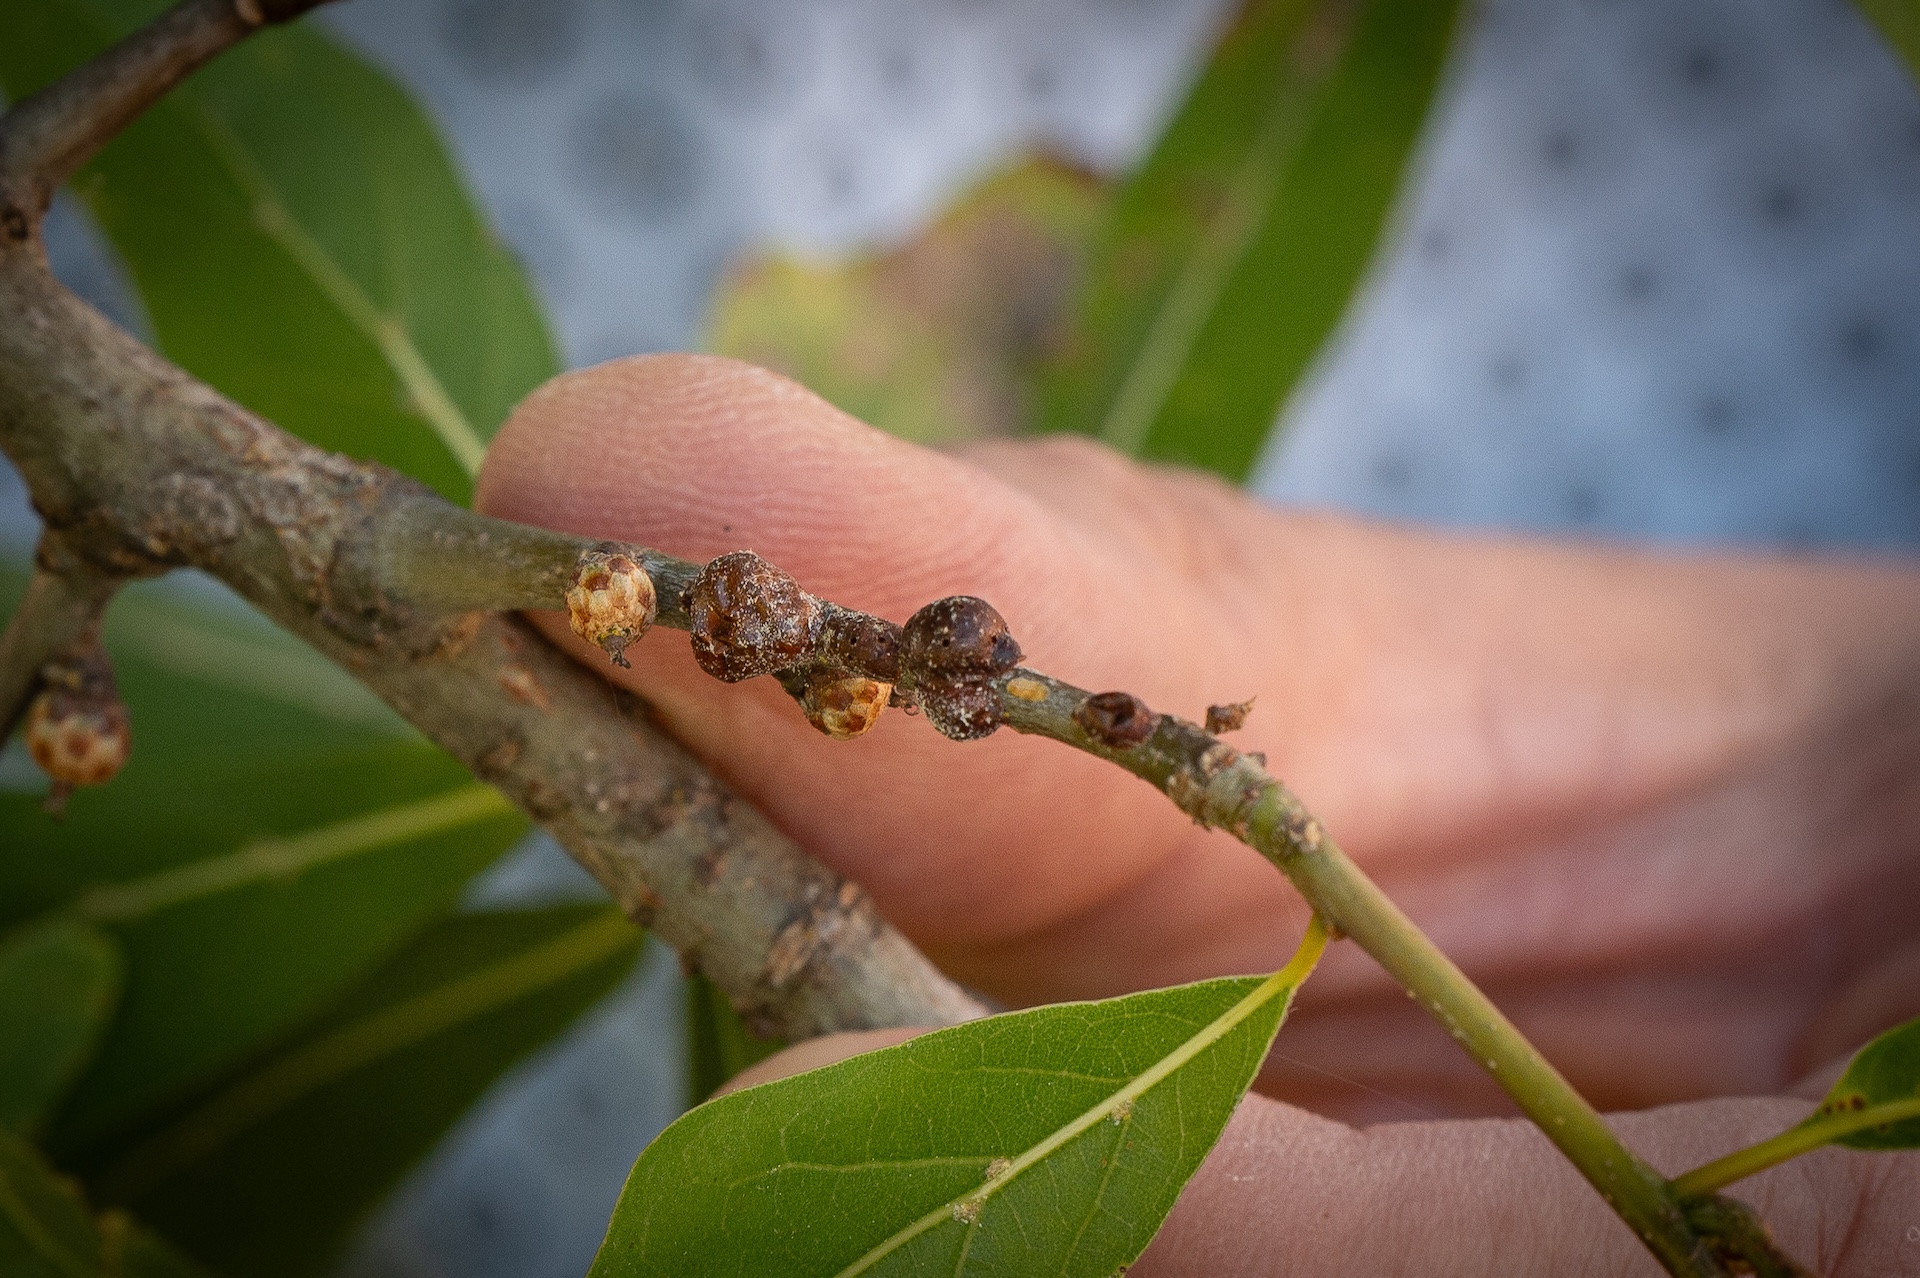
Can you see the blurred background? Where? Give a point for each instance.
(1654, 273)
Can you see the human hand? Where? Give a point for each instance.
(1661, 808)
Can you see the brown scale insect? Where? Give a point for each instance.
(750, 618)
(951, 652)
(861, 644)
(1230, 717)
(1116, 719)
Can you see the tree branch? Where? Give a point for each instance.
(48, 135)
(138, 467)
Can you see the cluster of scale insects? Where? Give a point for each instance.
(747, 617)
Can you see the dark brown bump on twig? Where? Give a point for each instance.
(749, 618)
(1230, 717)
(18, 227)
(951, 652)
(859, 643)
(1118, 720)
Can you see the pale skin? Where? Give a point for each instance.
(1664, 808)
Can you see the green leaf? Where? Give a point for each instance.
(719, 1044)
(58, 987)
(1899, 22)
(302, 242)
(934, 340)
(1884, 1073)
(232, 950)
(1046, 1141)
(1875, 1105)
(1231, 255)
(46, 1230)
(270, 1172)
(271, 839)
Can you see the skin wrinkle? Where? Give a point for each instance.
(1666, 719)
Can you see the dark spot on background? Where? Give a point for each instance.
(899, 69)
(1781, 204)
(840, 179)
(1583, 500)
(516, 43)
(751, 56)
(1638, 283)
(1561, 149)
(1508, 372)
(1040, 81)
(1715, 415)
(1393, 470)
(1862, 340)
(1700, 66)
(635, 155)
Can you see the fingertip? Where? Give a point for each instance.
(698, 455)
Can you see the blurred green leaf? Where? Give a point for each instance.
(46, 1230)
(935, 339)
(719, 1044)
(269, 1173)
(1047, 1141)
(302, 242)
(1231, 255)
(269, 841)
(58, 987)
(1899, 22)
(229, 951)
(1883, 1074)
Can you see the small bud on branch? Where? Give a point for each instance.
(77, 727)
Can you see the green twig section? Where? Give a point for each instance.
(1822, 1129)
(1219, 786)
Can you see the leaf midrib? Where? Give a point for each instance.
(1182, 314)
(387, 334)
(283, 858)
